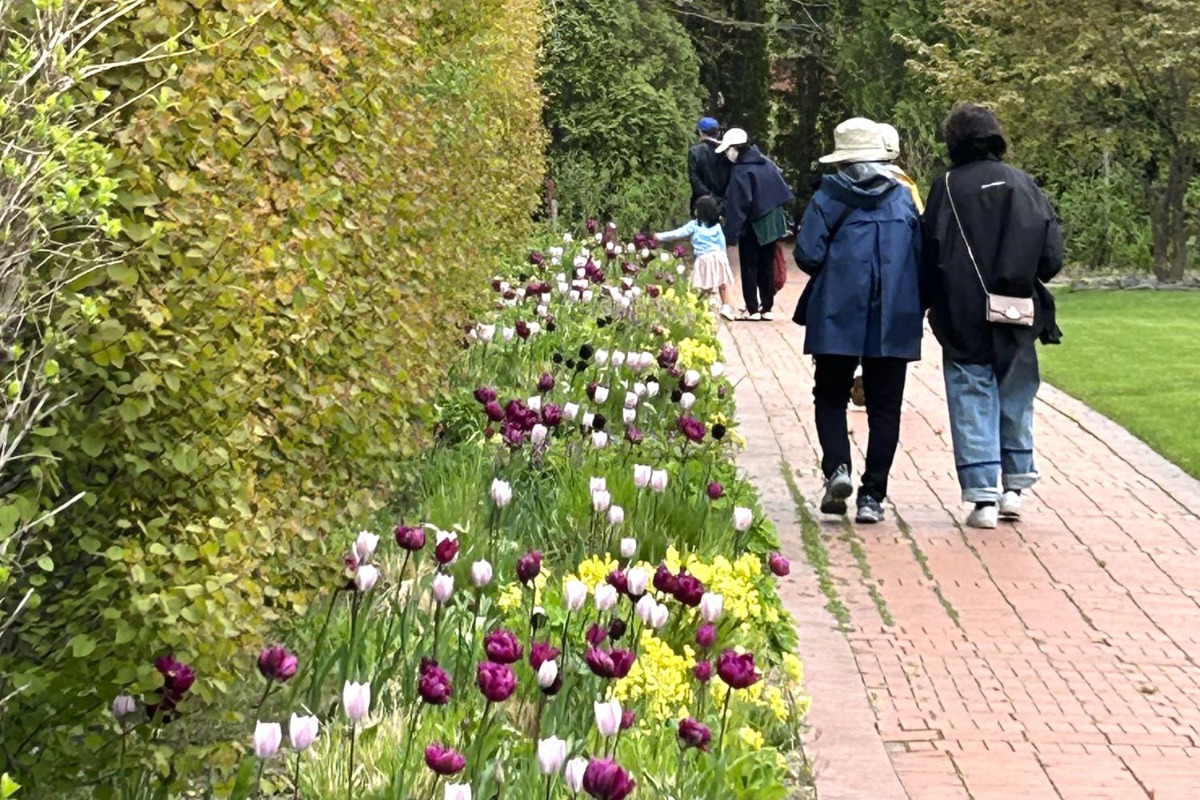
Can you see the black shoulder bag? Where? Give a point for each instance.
(800, 316)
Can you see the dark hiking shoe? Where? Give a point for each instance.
(870, 511)
(837, 488)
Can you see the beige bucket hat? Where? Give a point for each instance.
(856, 140)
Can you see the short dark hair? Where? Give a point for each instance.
(707, 210)
(972, 133)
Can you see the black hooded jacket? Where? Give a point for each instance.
(708, 172)
(1017, 242)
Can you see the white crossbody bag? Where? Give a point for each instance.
(1001, 309)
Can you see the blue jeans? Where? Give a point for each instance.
(991, 422)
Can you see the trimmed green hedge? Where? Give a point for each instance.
(312, 198)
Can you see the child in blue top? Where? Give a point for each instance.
(711, 271)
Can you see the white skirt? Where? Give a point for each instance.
(712, 271)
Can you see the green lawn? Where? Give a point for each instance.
(1135, 357)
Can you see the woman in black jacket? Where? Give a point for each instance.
(992, 240)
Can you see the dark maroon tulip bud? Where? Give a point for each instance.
(433, 684)
(715, 491)
(779, 565)
(497, 682)
(706, 635)
(654, 243)
(540, 653)
(443, 760)
(514, 436)
(617, 628)
(411, 538)
(510, 295)
(446, 550)
(692, 428)
(485, 395)
(523, 329)
(676, 395)
(604, 780)
(653, 291)
(557, 358)
(529, 566)
(619, 581)
(502, 647)
(614, 663)
(591, 390)
(592, 226)
(668, 356)
(536, 259)
(489, 432)
(546, 382)
(496, 284)
(494, 412)
(634, 435)
(694, 734)
(680, 251)
(552, 415)
(596, 635)
(703, 672)
(627, 719)
(599, 422)
(551, 325)
(177, 677)
(738, 671)
(665, 581)
(722, 390)
(688, 590)
(719, 431)
(277, 664)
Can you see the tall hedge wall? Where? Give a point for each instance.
(310, 196)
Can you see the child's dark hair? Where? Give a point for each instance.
(707, 210)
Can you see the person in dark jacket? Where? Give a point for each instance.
(989, 229)
(860, 241)
(755, 219)
(707, 171)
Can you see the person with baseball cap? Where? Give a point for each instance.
(708, 172)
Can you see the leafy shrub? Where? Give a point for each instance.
(310, 199)
(623, 96)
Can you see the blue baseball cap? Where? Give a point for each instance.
(708, 125)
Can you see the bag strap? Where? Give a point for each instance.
(962, 232)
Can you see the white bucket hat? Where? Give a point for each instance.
(734, 137)
(856, 140)
(891, 140)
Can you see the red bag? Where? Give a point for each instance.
(780, 267)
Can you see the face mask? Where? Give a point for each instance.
(732, 154)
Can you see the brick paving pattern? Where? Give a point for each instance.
(1053, 658)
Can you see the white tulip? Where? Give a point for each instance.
(664, 257)
(608, 717)
(628, 547)
(588, 419)
(551, 754)
(602, 357)
(616, 516)
(588, 295)
(508, 333)
(658, 480)
(573, 774)
(547, 674)
(631, 399)
(457, 791)
(638, 579)
(365, 577)
(502, 493)
(691, 378)
(443, 588)
(570, 411)
(652, 389)
(659, 617)
(597, 485)
(711, 606)
(364, 545)
(641, 475)
(601, 394)
(356, 700)
(639, 389)
(687, 400)
(717, 369)
(618, 358)
(628, 415)
(303, 732)
(481, 573)
(645, 608)
(606, 597)
(267, 736)
(743, 518)
(534, 403)
(601, 500)
(575, 593)
(539, 434)
(599, 440)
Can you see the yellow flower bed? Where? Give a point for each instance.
(661, 676)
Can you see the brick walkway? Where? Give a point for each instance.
(1056, 658)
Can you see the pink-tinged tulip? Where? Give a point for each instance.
(551, 754)
(457, 791)
(502, 647)
(277, 664)
(501, 492)
(604, 780)
(628, 547)
(529, 566)
(366, 577)
(434, 684)
(364, 546)
(446, 549)
(356, 700)
(631, 400)
(481, 573)
(658, 480)
(711, 606)
(496, 681)
(687, 400)
(743, 518)
(123, 705)
(494, 411)
(715, 491)
(410, 538)
(703, 672)
(547, 675)
(608, 717)
(628, 416)
(538, 435)
(641, 475)
(601, 500)
(779, 565)
(616, 516)
(303, 732)
(540, 653)
(692, 428)
(659, 616)
(618, 357)
(443, 760)
(694, 734)
(570, 411)
(575, 593)
(706, 635)
(573, 774)
(599, 440)
(738, 671)
(637, 580)
(606, 598)
(612, 664)
(665, 581)
(534, 403)
(689, 590)
(443, 588)
(267, 736)
(634, 435)
(645, 609)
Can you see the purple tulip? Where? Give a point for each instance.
(177, 676)
(493, 410)
(634, 435)
(485, 395)
(546, 382)
(592, 226)
(692, 428)
(434, 684)
(277, 664)
(615, 663)
(443, 760)
(604, 780)
(779, 565)
(529, 566)
(688, 590)
(616, 628)
(514, 437)
(540, 653)
(706, 635)
(536, 258)
(496, 681)
(680, 251)
(446, 550)
(694, 734)
(552, 415)
(596, 635)
(715, 491)
(410, 538)
(502, 647)
(653, 291)
(619, 581)
(628, 718)
(738, 671)
(703, 671)
(668, 356)
(523, 329)
(664, 581)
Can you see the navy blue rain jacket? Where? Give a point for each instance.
(866, 294)
(756, 188)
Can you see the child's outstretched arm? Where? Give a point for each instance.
(679, 233)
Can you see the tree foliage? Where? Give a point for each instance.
(732, 41)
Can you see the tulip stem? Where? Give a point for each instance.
(437, 629)
(412, 729)
(350, 769)
(483, 731)
(263, 701)
(262, 764)
(724, 721)
(296, 779)
(548, 784)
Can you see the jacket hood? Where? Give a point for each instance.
(864, 185)
(752, 156)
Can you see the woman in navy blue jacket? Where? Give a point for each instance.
(860, 241)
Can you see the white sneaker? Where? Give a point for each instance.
(1010, 506)
(768, 316)
(727, 312)
(985, 518)
(755, 317)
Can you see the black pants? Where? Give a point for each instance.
(883, 383)
(758, 272)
